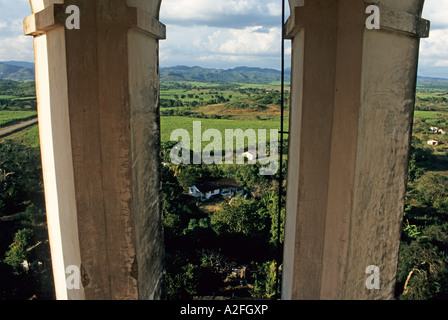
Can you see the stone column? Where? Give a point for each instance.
(352, 103)
(97, 90)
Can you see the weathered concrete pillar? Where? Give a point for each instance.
(97, 90)
(353, 92)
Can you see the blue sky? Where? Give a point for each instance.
(225, 34)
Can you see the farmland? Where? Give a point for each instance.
(221, 101)
(432, 95)
(427, 114)
(169, 124)
(199, 233)
(11, 117)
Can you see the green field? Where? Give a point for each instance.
(196, 94)
(435, 94)
(169, 124)
(28, 137)
(427, 114)
(11, 117)
(7, 97)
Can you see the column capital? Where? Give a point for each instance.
(44, 20)
(48, 15)
(143, 21)
(396, 20)
(393, 18)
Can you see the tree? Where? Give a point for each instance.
(165, 150)
(422, 272)
(17, 252)
(265, 280)
(182, 277)
(239, 217)
(33, 214)
(432, 190)
(420, 160)
(188, 175)
(194, 225)
(20, 175)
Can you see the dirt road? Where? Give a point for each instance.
(11, 129)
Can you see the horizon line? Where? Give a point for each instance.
(221, 68)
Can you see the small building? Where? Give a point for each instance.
(251, 155)
(225, 187)
(432, 142)
(437, 130)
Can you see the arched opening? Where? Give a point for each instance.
(220, 76)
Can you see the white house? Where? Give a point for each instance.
(434, 129)
(437, 130)
(251, 155)
(432, 142)
(219, 187)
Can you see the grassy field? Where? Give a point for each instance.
(11, 117)
(427, 114)
(196, 94)
(436, 94)
(28, 136)
(169, 124)
(7, 97)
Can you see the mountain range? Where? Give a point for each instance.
(239, 74)
(16, 70)
(23, 71)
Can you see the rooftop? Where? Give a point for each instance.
(217, 184)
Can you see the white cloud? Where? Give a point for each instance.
(250, 40)
(437, 12)
(18, 48)
(14, 9)
(221, 47)
(229, 13)
(275, 8)
(434, 50)
(13, 44)
(16, 26)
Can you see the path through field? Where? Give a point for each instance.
(22, 125)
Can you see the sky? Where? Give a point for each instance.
(225, 34)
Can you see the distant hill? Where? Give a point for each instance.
(239, 74)
(251, 75)
(432, 82)
(22, 71)
(23, 64)
(9, 71)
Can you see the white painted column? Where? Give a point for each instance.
(54, 131)
(352, 101)
(98, 108)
